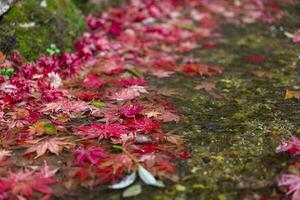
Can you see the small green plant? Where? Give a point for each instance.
(6, 73)
(53, 49)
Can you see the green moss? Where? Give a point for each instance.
(93, 7)
(30, 28)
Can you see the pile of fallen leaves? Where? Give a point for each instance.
(89, 117)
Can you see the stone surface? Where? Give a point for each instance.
(5, 5)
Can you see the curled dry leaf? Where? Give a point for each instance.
(206, 85)
(262, 74)
(210, 88)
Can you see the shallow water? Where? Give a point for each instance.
(232, 140)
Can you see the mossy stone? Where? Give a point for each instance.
(30, 28)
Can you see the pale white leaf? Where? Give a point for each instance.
(128, 180)
(146, 176)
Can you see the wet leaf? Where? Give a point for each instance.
(262, 74)
(7, 72)
(42, 126)
(54, 145)
(98, 103)
(161, 73)
(92, 81)
(148, 178)
(168, 92)
(128, 180)
(180, 188)
(135, 72)
(198, 186)
(206, 85)
(128, 93)
(50, 128)
(290, 94)
(210, 88)
(219, 159)
(159, 183)
(256, 59)
(2, 57)
(132, 191)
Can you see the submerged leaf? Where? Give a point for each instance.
(132, 191)
(148, 178)
(128, 180)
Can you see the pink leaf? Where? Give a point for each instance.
(128, 93)
(89, 155)
(292, 182)
(292, 146)
(93, 81)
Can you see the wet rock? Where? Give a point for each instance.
(5, 5)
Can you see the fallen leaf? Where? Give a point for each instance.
(146, 176)
(161, 73)
(180, 188)
(206, 85)
(168, 92)
(256, 59)
(128, 180)
(54, 145)
(132, 191)
(209, 87)
(42, 126)
(292, 182)
(168, 116)
(128, 93)
(2, 57)
(93, 81)
(290, 94)
(262, 74)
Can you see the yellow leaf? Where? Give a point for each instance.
(198, 186)
(219, 159)
(289, 94)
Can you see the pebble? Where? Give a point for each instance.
(206, 159)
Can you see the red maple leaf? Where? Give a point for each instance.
(100, 131)
(93, 81)
(255, 58)
(89, 155)
(23, 183)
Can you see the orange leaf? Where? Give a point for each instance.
(2, 57)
